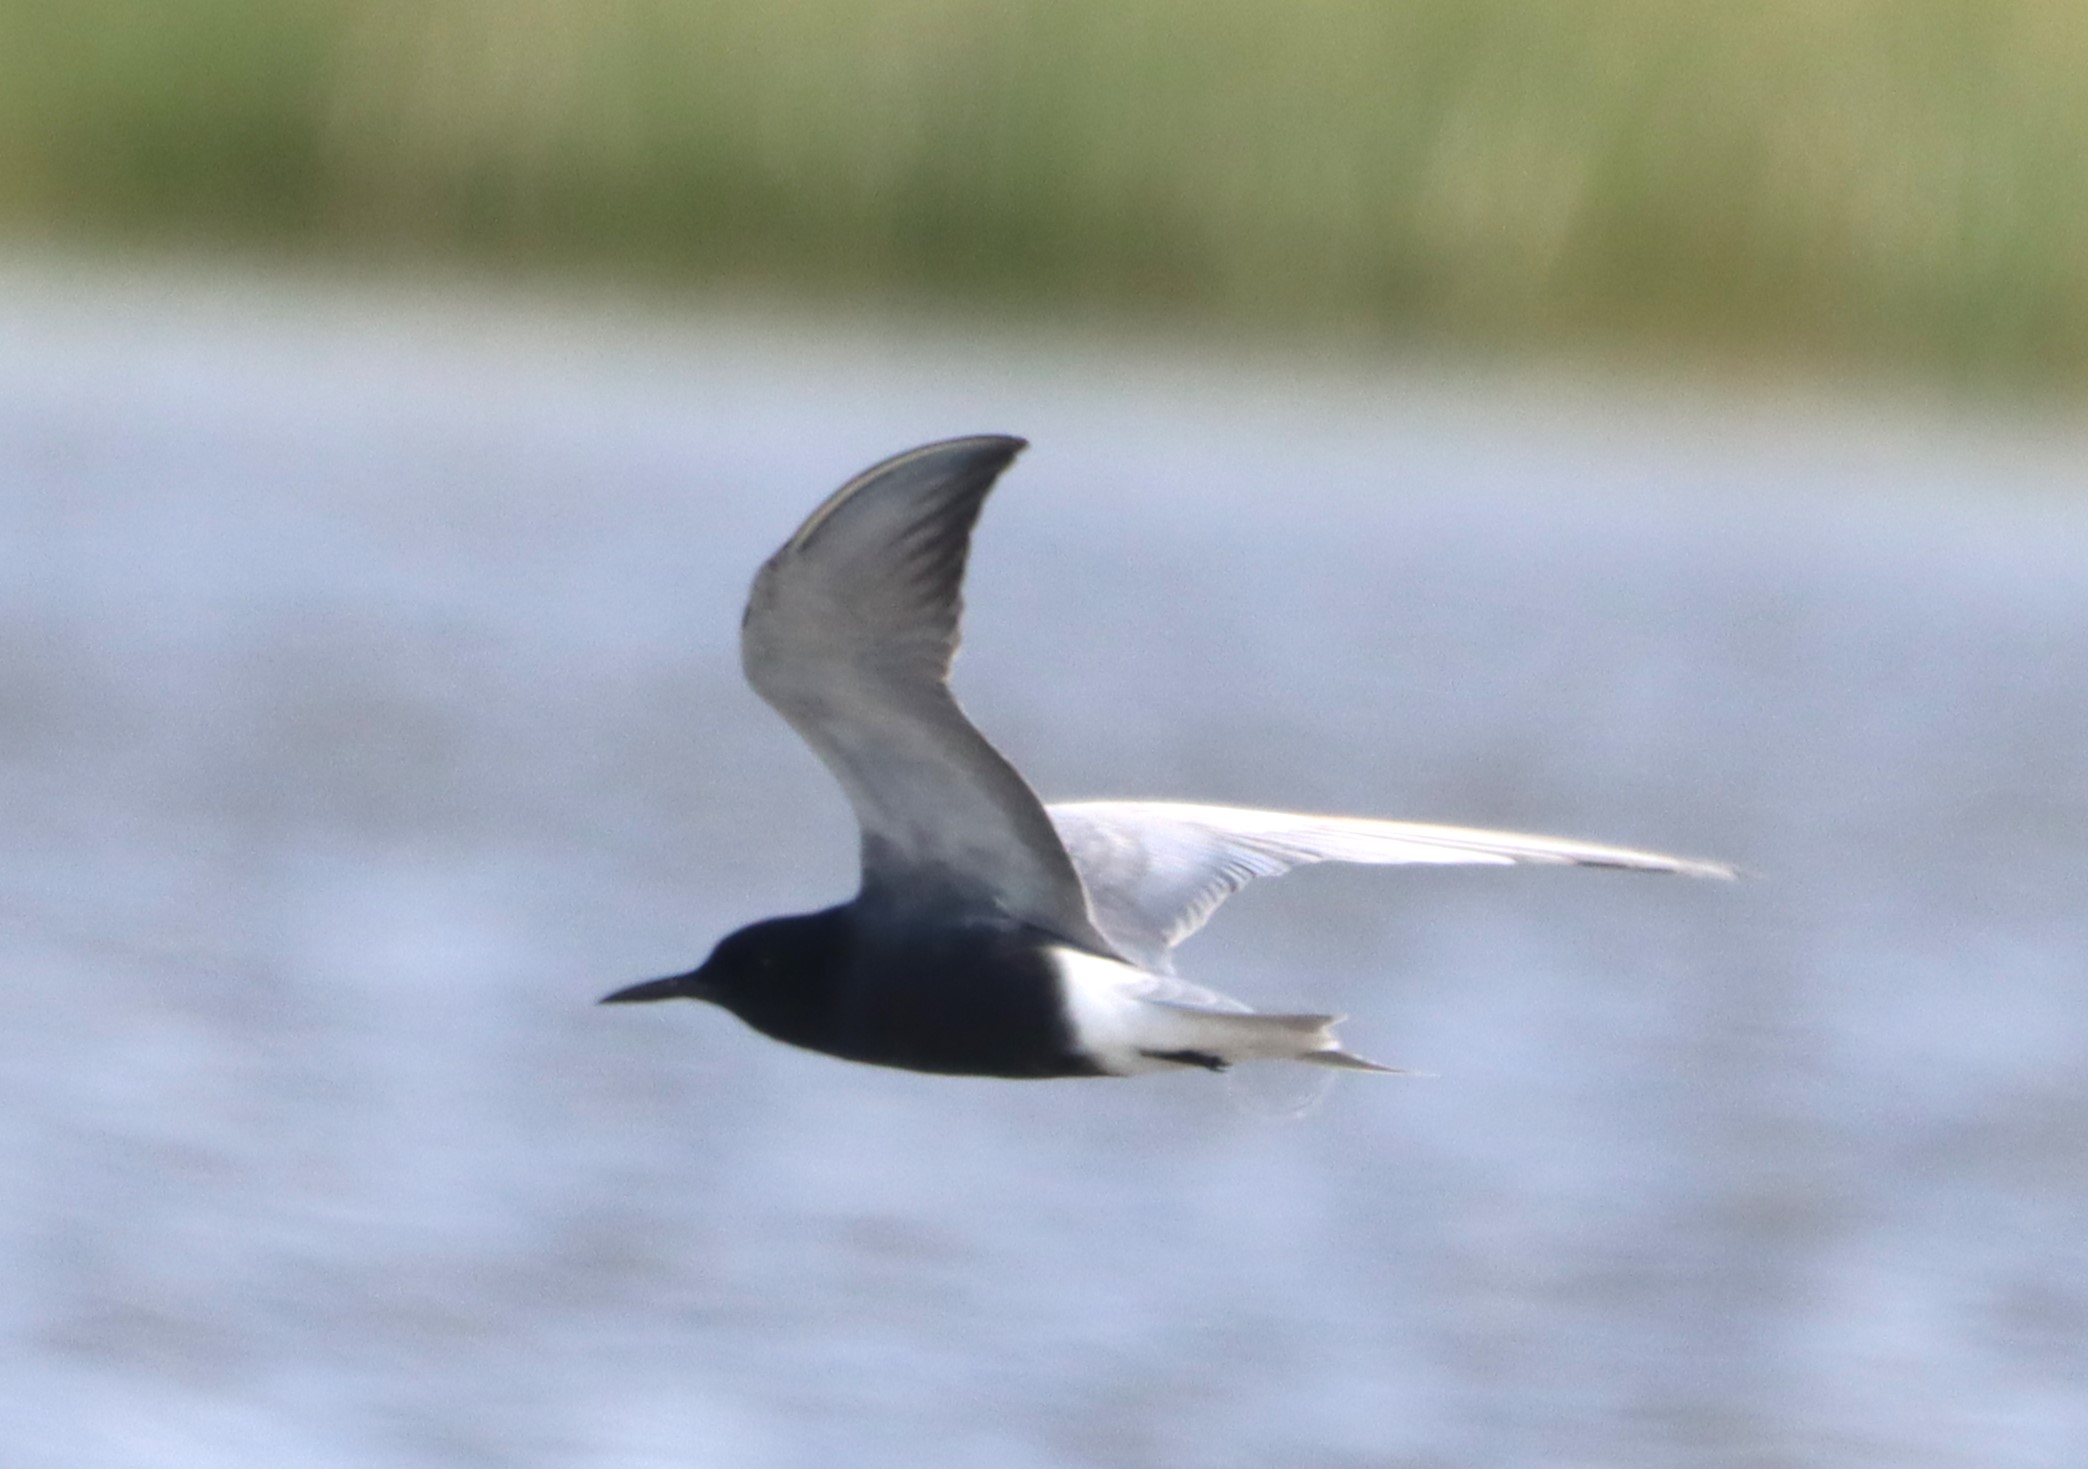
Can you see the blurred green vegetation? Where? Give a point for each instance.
(1897, 182)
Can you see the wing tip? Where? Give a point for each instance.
(1706, 867)
(1663, 865)
(990, 455)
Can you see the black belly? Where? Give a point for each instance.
(978, 1001)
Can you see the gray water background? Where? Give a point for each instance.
(369, 703)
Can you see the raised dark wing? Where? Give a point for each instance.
(1155, 870)
(849, 634)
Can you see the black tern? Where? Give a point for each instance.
(994, 935)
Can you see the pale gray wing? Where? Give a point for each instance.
(1155, 870)
(849, 634)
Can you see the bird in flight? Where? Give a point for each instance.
(994, 935)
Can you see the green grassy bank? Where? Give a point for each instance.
(1895, 182)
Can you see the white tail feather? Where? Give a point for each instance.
(1349, 1061)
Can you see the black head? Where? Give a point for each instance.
(765, 973)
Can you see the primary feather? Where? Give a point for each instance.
(1156, 870)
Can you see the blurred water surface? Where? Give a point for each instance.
(369, 703)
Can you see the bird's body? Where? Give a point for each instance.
(993, 935)
(899, 994)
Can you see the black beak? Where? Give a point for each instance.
(674, 988)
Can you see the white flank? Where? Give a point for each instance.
(1126, 1019)
(1111, 1022)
